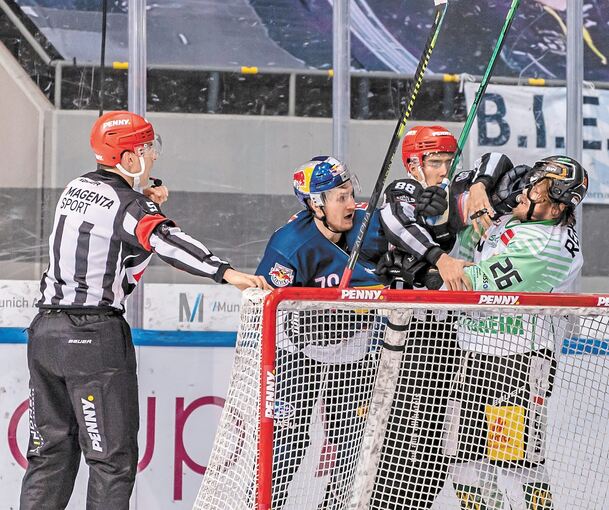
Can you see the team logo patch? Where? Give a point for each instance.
(36, 439)
(281, 276)
(462, 176)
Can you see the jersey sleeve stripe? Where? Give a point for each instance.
(181, 255)
(145, 227)
(413, 238)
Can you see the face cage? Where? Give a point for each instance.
(533, 180)
(534, 203)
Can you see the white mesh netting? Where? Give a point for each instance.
(481, 407)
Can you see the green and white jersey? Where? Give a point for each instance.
(536, 256)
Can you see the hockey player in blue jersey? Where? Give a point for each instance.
(312, 249)
(316, 360)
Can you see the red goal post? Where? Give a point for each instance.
(372, 310)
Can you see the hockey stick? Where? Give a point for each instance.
(395, 140)
(482, 88)
(379, 409)
(102, 63)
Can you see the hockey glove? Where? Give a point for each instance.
(397, 264)
(512, 183)
(430, 279)
(431, 202)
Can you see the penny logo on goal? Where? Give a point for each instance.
(269, 397)
(487, 299)
(603, 301)
(361, 294)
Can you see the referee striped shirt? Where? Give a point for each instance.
(104, 235)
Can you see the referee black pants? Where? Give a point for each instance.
(83, 398)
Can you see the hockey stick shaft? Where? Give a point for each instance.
(473, 111)
(102, 60)
(440, 11)
(379, 408)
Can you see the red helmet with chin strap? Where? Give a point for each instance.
(423, 140)
(116, 132)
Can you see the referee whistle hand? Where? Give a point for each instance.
(158, 194)
(244, 280)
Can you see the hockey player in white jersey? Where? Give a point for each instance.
(507, 371)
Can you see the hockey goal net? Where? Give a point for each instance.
(357, 399)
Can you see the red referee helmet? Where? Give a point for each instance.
(116, 132)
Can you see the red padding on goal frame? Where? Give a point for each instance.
(442, 297)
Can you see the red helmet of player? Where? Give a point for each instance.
(116, 132)
(421, 141)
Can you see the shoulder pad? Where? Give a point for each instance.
(403, 190)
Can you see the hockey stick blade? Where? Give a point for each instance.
(440, 11)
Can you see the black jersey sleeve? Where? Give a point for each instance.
(399, 220)
(489, 169)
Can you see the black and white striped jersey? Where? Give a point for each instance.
(405, 230)
(103, 237)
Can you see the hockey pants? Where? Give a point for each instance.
(83, 398)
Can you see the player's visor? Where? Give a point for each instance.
(152, 148)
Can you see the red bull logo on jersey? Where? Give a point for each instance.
(281, 276)
(486, 299)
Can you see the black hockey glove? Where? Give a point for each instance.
(511, 184)
(430, 279)
(431, 202)
(387, 268)
(397, 264)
